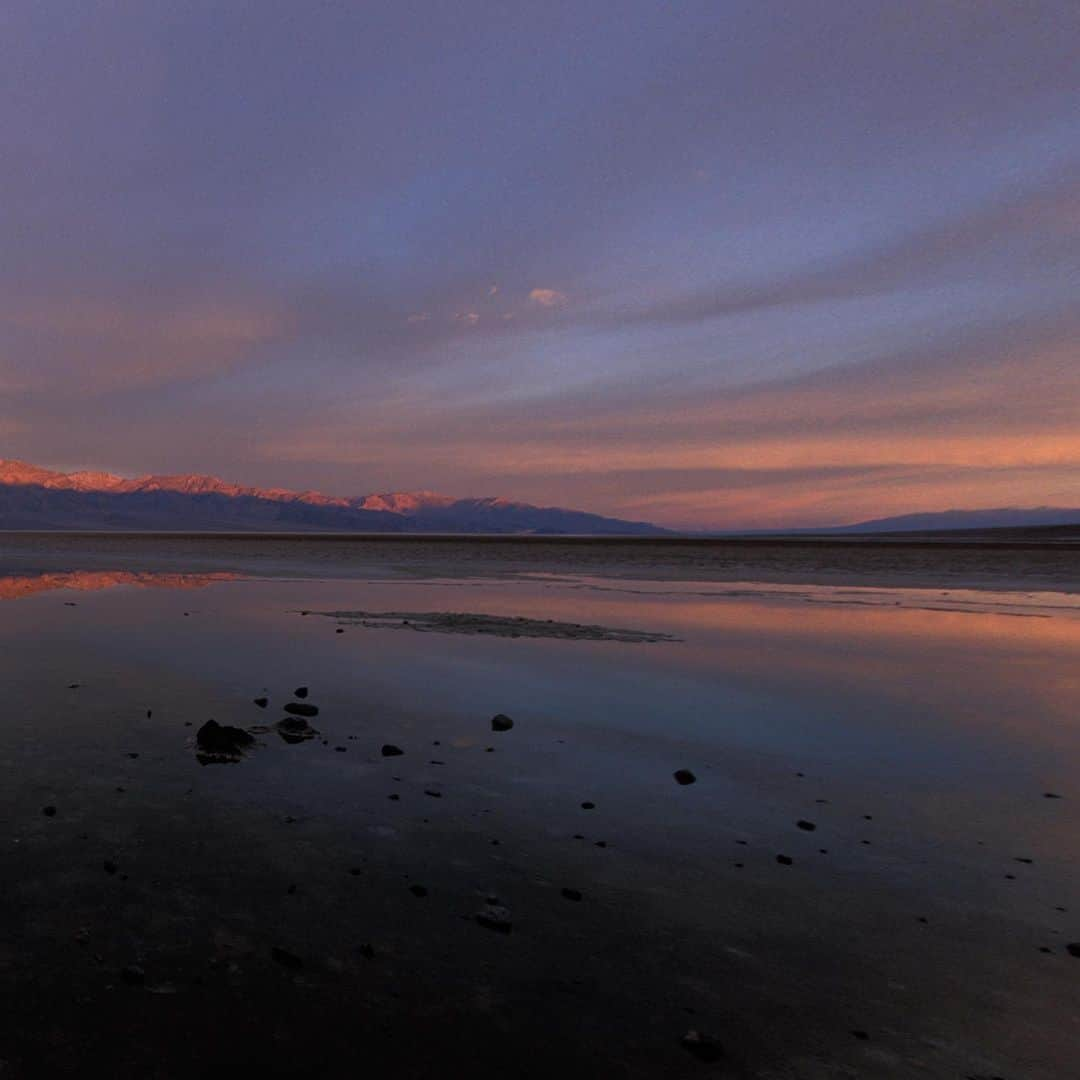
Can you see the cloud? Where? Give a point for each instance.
(548, 298)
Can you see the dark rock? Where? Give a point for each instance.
(784, 860)
(390, 750)
(501, 722)
(215, 738)
(109, 866)
(1073, 949)
(433, 794)
(262, 702)
(703, 1047)
(571, 894)
(394, 798)
(418, 890)
(133, 975)
(300, 708)
(300, 692)
(286, 959)
(588, 806)
(1050, 795)
(860, 1034)
(684, 777)
(806, 826)
(495, 917)
(295, 729)
(49, 811)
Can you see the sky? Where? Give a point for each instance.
(724, 264)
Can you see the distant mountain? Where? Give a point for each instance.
(35, 498)
(1010, 517)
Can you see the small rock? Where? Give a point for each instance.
(501, 722)
(588, 806)
(215, 738)
(418, 891)
(860, 1034)
(262, 702)
(571, 894)
(784, 860)
(495, 917)
(133, 975)
(390, 750)
(295, 729)
(49, 811)
(806, 826)
(109, 866)
(703, 1047)
(299, 708)
(684, 777)
(286, 959)
(300, 692)
(1073, 949)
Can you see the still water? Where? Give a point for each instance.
(875, 873)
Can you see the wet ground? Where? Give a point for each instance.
(870, 871)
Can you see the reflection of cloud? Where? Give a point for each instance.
(547, 297)
(14, 586)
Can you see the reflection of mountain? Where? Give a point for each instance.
(13, 586)
(33, 498)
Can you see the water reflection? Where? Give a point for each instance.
(16, 586)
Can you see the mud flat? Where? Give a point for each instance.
(613, 826)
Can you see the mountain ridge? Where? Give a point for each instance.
(35, 497)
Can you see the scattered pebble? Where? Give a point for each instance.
(501, 722)
(390, 750)
(588, 806)
(703, 1047)
(684, 777)
(286, 959)
(806, 826)
(495, 917)
(300, 692)
(784, 860)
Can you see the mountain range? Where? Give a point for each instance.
(36, 498)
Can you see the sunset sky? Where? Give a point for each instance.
(736, 263)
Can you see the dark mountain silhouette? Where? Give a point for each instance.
(1009, 517)
(35, 498)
